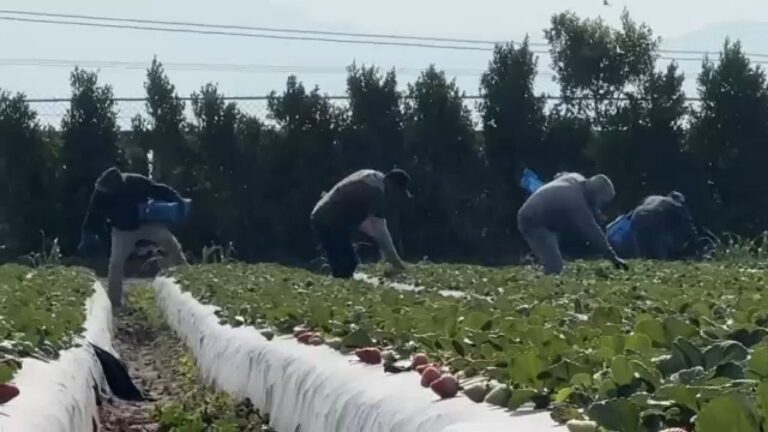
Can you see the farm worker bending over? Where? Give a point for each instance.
(116, 199)
(358, 202)
(661, 228)
(568, 204)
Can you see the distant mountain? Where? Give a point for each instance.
(752, 34)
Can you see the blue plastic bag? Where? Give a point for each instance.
(619, 230)
(530, 181)
(164, 212)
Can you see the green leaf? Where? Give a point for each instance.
(732, 412)
(730, 370)
(582, 379)
(748, 338)
(6, 372)
(700, 309)
(520, 396)
(525, 368)
(614, 342)
(758, 362)
(649, 374)
(616, 415)
(563, 394)
(680, 394)
(360, 338)
(675, 327)
(565, 370)
(722, 352)
(458, 347)
(487, 326)
(602, 315)
(621, 371)
(476, 320)
(761, 395)
(607, 388)
(640, 399)
(639, 343)
(654, 329)
(690, 352)
(544, 310)
(390, 298)
(605, 353)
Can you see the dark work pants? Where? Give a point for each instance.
(337, 244)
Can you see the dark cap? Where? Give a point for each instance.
(401, 179)
(677, 196)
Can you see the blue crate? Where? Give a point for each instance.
(165, 212)
(619, 230)
(530, 181)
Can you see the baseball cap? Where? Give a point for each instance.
(400, 178)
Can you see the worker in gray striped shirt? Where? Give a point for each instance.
(358, 202)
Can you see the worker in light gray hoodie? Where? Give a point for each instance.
(568, 204)
(358, 202)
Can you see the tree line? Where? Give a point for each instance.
(254, 181)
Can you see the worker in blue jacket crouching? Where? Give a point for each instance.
(125, 203)
(659, 228)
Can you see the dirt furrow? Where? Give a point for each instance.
(161, 367)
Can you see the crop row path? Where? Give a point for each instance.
(160, 365)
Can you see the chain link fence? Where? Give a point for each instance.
(51, 111)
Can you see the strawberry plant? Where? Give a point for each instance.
(665, 345)
(42, 311)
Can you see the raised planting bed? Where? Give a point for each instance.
(662, 345)
(311, 385)
(46, 316)
(666, 344)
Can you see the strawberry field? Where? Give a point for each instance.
(41, 312)
(664, 345)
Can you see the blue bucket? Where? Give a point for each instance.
(619, 230)
(530, 181)
(165, 212)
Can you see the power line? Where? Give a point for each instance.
(224, 67)
(327, 33)
(295, 38)
(250, 35)
(264, 29)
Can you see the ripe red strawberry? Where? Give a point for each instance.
(418, 360)
(299, 331)
(446, 386)
(429, 375)
(420, 369)
(8, 392)
(315, 340)
(369, 355)
(305, 337)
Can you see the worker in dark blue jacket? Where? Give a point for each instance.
(116, 201)
(659, 228)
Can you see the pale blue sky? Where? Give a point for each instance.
(488, 19)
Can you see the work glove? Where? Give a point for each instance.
(395, 270)
(620, 264)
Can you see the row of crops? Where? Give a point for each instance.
(42, 311)
(672, 345)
